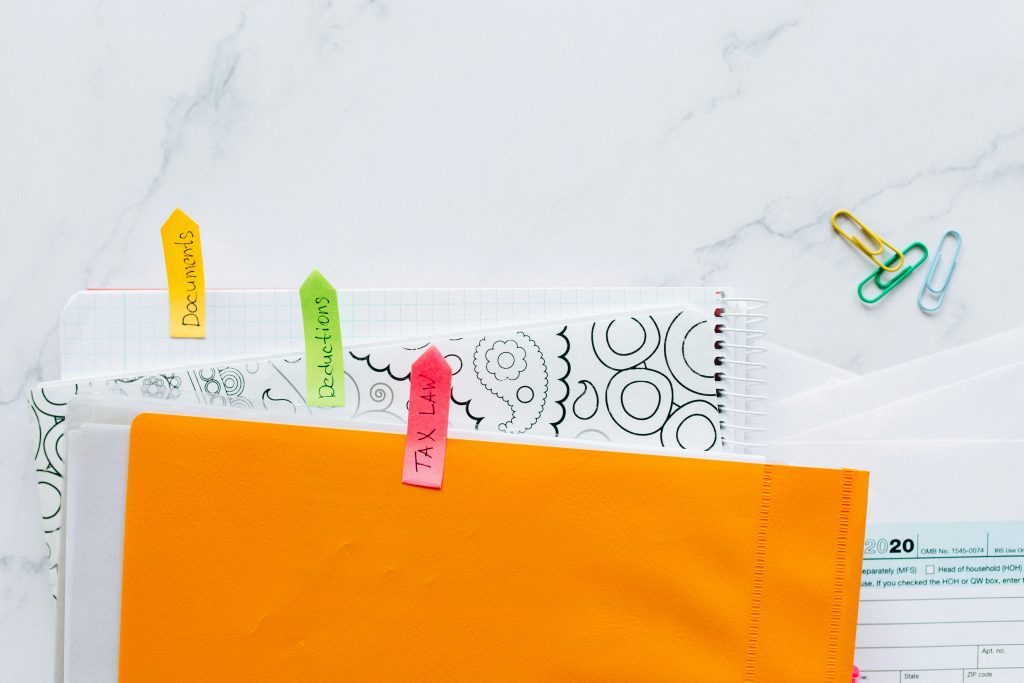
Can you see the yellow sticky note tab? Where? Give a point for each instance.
(186, 289)
(325, 358)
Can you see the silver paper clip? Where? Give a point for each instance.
(938, 292)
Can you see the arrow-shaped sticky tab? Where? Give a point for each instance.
(186, 289)
(430, 389)
(321, 328)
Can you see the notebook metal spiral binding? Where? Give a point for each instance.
(739, 329)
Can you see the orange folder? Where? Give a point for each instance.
(269, 552)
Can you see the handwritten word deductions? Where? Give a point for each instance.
(325, 362)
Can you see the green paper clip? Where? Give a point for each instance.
(887, 287)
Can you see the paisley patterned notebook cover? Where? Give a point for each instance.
(646, 378)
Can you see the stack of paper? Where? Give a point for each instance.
(595, 519)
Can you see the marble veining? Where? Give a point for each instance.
(525, 143)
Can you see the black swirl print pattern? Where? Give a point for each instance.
(660, 374)
(640, 379)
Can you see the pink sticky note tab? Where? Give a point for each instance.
(429, 395)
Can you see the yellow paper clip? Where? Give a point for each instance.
(891, 265)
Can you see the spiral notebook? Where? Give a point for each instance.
(659, 367)
(114, 332)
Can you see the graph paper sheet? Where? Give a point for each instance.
(106, 331)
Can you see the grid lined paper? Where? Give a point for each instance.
(115, 331)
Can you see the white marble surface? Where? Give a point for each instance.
(519, 143)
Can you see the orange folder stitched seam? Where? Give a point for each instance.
(839, 579)
(757, 590)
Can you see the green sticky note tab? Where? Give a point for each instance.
(325, 358)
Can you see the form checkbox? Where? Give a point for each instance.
(929, 569)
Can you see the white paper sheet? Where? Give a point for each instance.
(790, 373)
(816, 408)
(94, 531)
(985, 406)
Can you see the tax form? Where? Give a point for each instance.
(942, 590)
(942, 602)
